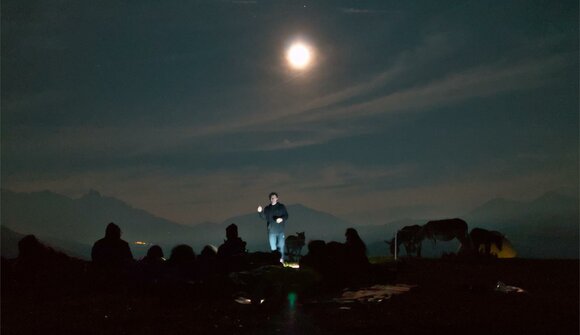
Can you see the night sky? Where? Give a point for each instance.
(189, 110)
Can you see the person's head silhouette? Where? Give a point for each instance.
(155, 252)
(232, 231)
(352, 235)
(113, 231)
(209, 251)
(182, 253)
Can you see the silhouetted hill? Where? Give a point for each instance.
(496, 208)
(549, 204)
(54, 217)
(9, 240)
(546, 227)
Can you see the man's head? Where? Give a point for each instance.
(113, 231)
(232, 231)
(273, 198)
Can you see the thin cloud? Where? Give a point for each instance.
(245, 2)
(431, 49)
(480, 82)
(312, 119)
(361, 11)
(477, 82)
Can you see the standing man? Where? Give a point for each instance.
(276, 216)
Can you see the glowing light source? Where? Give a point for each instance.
(246, 301)
(140, 243)
(507, 249)
(292, 300)
(291, 265)
(299, 56)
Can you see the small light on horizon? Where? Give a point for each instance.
(291, 265)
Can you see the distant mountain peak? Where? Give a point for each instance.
(304, 207)
(296, 205)
(495, 206)
(95, 198)
(500, 209)
(555, 196)
(92, 194)
(500, 201)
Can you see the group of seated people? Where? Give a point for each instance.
(329, 259)
(111, 254)
(334, 258)
(112, 258)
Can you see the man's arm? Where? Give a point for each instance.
(261, 214)
(284, 215)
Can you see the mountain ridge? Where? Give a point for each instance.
(81, 221)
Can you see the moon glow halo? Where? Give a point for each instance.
(299, 56)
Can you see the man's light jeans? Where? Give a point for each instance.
(277, 241)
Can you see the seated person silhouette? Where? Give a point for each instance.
(207, 262)
(233, 245)
(355, 250)
(182, 263)
(154, 255)
(111, 251)
(30, 250)
(317, 256)
(37, 262)
(153, 263)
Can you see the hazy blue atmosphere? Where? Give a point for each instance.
(317, 167)
(188, 110)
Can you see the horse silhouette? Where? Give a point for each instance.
(410, 238)
(294, 244)
(487, 238)
(446, 230)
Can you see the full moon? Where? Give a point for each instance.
(299, 56)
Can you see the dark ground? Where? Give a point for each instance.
(451, 297)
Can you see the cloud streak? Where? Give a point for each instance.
(474, 83)
(321, 119)
(480, 82)
(318, 121)
(361, 11)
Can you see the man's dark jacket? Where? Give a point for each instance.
(111, 252)
(271, 213)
